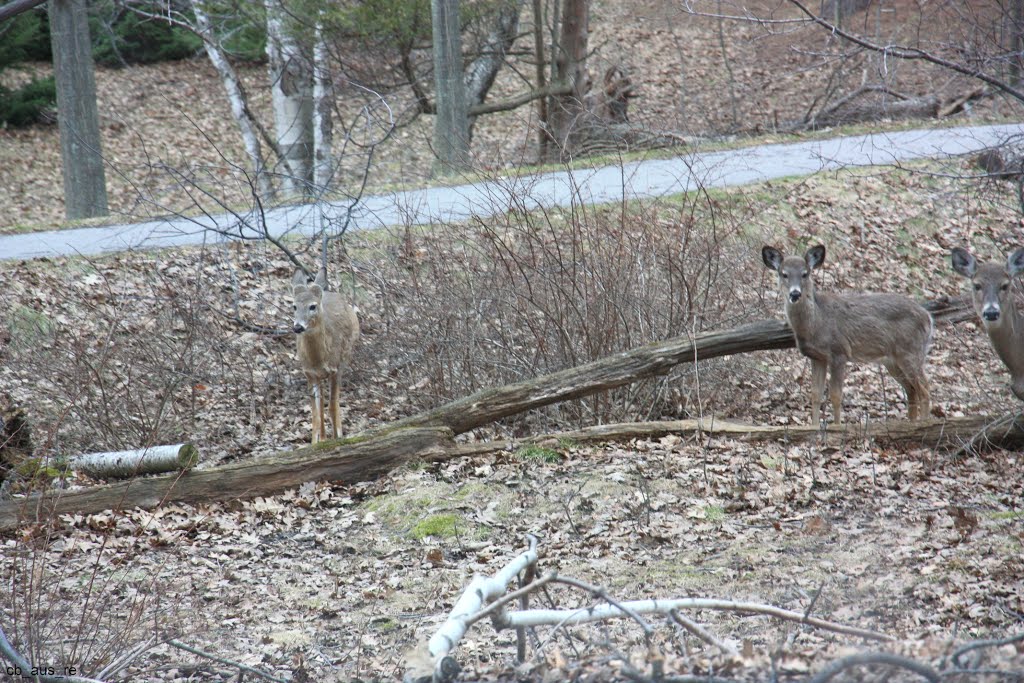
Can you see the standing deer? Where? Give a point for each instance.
(326, 330)
(993, 301)
(832, 329)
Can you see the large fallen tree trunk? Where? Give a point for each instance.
(350, 460)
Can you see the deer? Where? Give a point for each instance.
(326, 330)
(993, 302)
(833, 329)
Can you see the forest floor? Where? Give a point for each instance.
(341, 581)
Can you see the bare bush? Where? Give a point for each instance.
(535, 291)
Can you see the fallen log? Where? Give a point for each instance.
(125, 464)
(950, 434)
(355, 459)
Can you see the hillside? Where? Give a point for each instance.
(339, 581)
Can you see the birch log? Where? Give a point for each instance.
(124, 464)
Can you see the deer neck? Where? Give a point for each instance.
(1008, 340)
(313, 347)
(803, 315)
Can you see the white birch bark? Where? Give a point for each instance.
(124, 464)
(236, 97)
(323, 123)
(291, 86)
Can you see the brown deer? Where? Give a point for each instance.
(832, 329)
(326, 330)
(993, 301)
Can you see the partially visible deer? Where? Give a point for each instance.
(993, 301)
(326, 330)
(832, 329)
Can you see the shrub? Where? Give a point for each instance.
(28, 104)
(121, 38)
(24, 38)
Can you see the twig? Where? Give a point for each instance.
(602, 594)
(875, 658)
(701, 632)
(977, 644)
(241, 667)
(8, 652)
(602, 612)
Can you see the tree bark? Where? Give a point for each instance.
(451, 122)
(948, 434)
(570, 65)
(13, 9)
(85, 189)
(356, 459)
(323, 106)
(481, 72)
(291, 87)
(125, 464)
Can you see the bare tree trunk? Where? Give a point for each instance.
(323, 104)
(482, 71)
(236, 97)
(1016, 21)
(85, 188)
(570, 61)
(451, 122)
(543, 125)
(291, 87)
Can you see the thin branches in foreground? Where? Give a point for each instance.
(489, 597)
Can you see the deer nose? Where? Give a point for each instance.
(990, 314)
(298, 328)
(794, 295)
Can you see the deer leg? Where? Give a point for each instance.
(836, 377)
(314, 401)
(320, 406)
(909, 385)
(818, 368)
(335, 424)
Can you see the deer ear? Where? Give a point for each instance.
(772, 257)
(298, 278)
(963, 262)
(815, 256)
(321, 278)
(1015, 263)
(316, 290)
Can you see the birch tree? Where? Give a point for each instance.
(247, 125)
(291, 84)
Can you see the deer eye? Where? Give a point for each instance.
(1005, 286)
(312, 308)
(804, 275)
(977, 287)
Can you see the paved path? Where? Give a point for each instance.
(611, 184)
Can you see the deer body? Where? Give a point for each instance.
(834, 329)
(993, 301)
(326, 330)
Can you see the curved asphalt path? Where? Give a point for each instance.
(640, 179)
